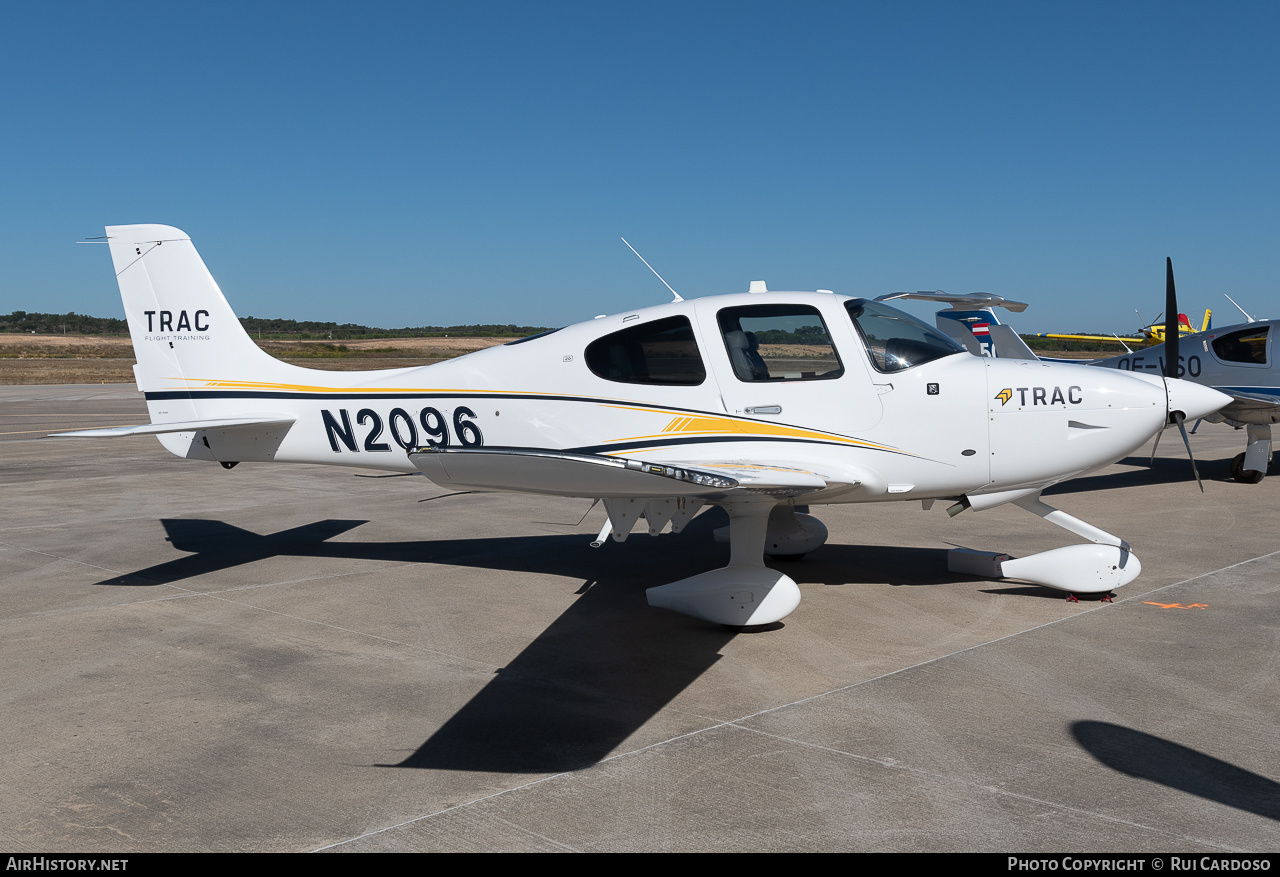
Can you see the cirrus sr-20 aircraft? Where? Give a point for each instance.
(754, 402)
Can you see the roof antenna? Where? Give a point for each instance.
(1229, 298)
(655, 273)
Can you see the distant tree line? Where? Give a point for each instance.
(57, 324)
(1035, 342)
(80, 324)
(802, 335)
(310, 329)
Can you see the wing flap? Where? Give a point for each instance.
(564, 473)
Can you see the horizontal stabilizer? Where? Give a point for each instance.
(564, 473)
(178, 426)
(970, 300)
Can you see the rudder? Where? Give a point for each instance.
(180, 323)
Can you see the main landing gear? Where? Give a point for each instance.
(745, 593)
(792, 533)
(1251, 466)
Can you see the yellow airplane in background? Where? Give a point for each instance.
(1153, 334)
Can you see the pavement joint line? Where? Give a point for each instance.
(217, 595)
(734, 723)
(65, 559)
(345, 629)
(185, 593)
(460, 806)
(1100, 607)
(526, 830)
(990, 789)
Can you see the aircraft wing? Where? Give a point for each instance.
(177, 426)
(1109, 338)
(596, 476)
(1242, 400)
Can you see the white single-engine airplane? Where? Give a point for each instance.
(751, 402)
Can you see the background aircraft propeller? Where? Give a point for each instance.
(1171, 340)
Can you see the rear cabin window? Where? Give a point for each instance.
(778, 343)
(663, 352)
(1248, 346)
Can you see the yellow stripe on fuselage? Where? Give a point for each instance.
(208, 384)
(709, 425)
(683, 425)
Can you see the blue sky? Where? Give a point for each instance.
(437, 163)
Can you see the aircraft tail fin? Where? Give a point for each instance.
(1008, 344)
(182, 328)
(982, 333)
(1208, 321)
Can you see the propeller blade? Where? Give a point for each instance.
(1171, 331)
(1182, 428)
(1156, 444)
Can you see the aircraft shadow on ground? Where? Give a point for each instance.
(215, 545)
(600, 671)
(1165, 470)
(210, 546)
(1161, 761)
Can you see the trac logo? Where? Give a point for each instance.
(1040, 396)
(184, 324)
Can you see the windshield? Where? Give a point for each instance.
(896, 340)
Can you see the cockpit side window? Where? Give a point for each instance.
(1248, 346)
(896, 340)
(778, 342)
(662, 352)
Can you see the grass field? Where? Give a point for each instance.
(107, 359)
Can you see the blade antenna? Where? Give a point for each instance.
(1240, 309)
(655, 273)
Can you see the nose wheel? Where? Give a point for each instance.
(1098, 568)
(1106, 598)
